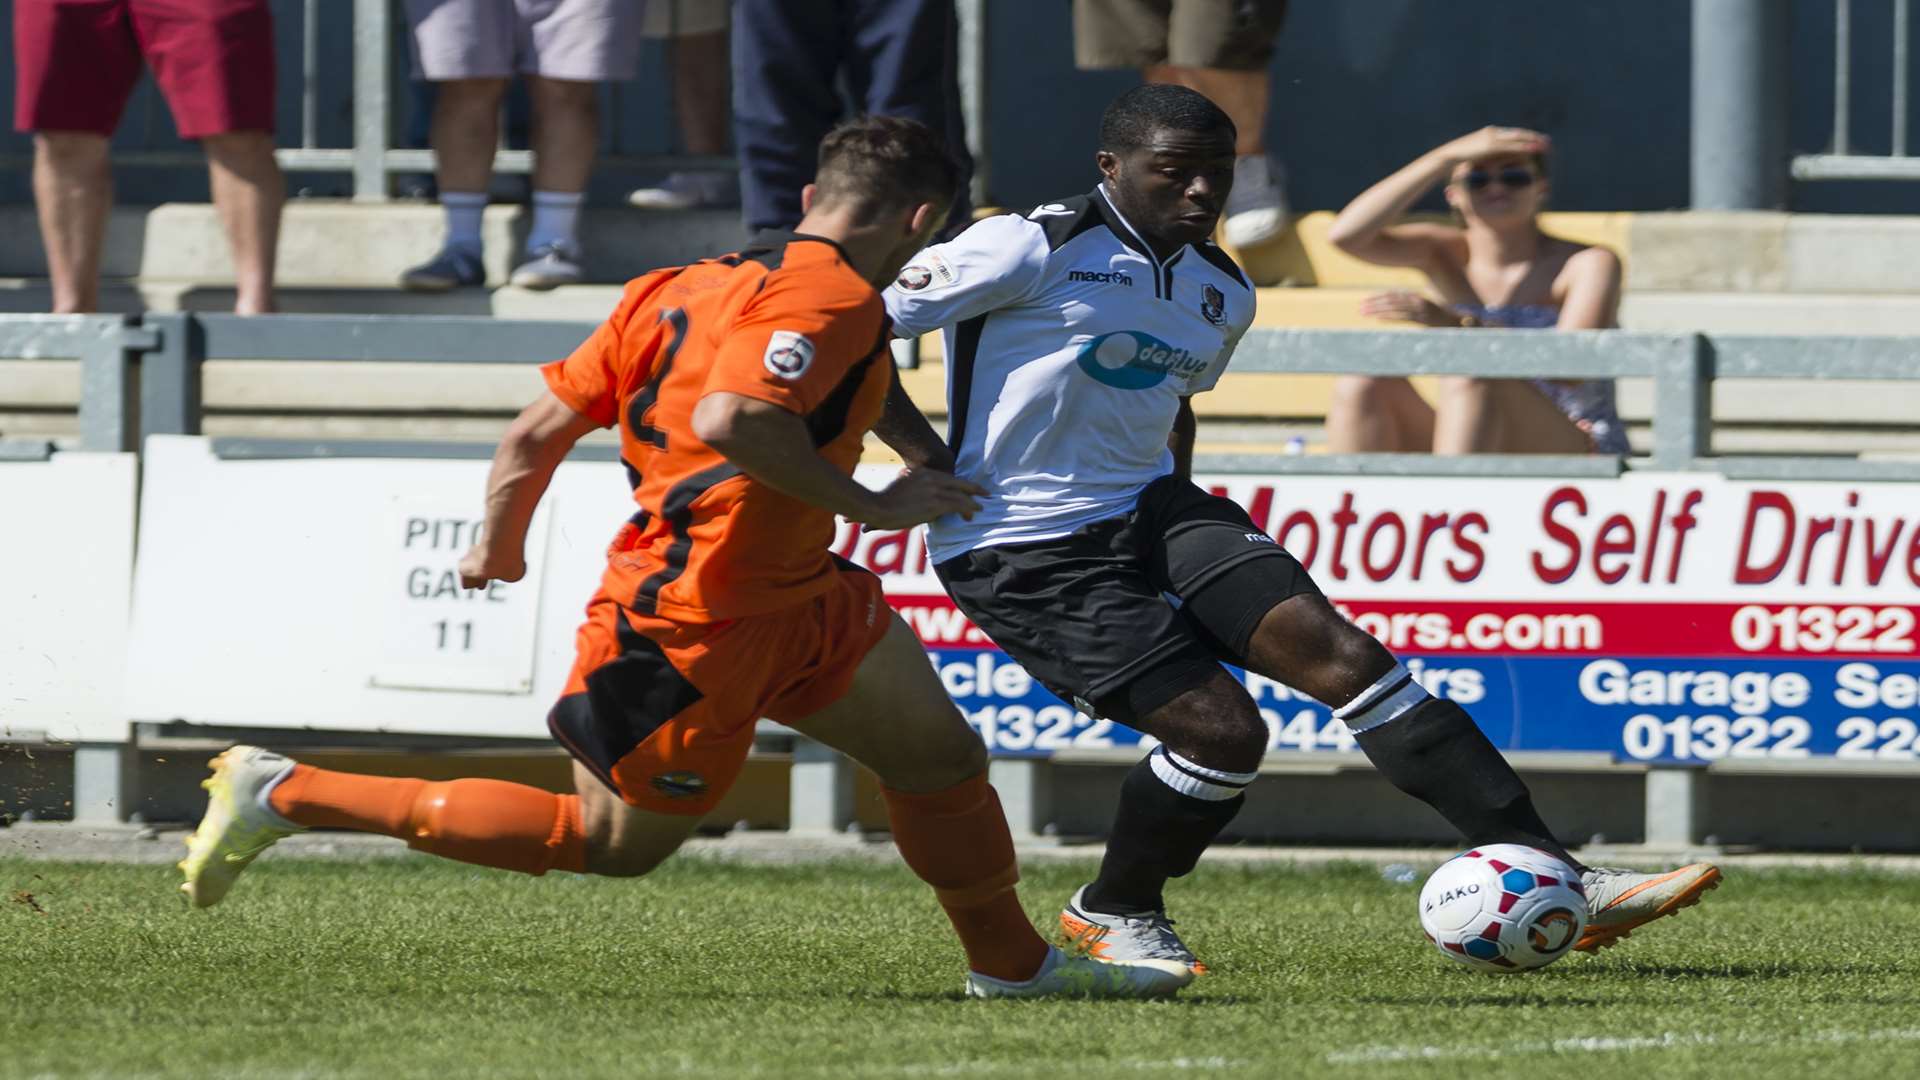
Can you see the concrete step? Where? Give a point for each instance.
(333, 242)
(327, 242)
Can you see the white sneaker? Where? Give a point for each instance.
(1084, 977)
(689, 191)
(552, 266)
(1125, 938)
(239, 824)
(1618, 901)
(1256, 210)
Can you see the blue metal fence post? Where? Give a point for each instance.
(1740, 77)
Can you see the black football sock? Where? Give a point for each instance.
(1170, 810)
(1433, 751)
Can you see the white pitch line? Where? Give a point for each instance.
(1606, 1044)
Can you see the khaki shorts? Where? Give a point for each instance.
(575, 40)
(684, 18)
(1234, 35)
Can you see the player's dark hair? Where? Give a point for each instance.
(1134, 116)
(886, 163)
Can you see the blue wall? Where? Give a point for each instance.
(1360, 86)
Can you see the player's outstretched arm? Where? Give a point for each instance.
(772, 445)
(534, 446)
(903, 427)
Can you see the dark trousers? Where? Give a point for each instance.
(897, 57)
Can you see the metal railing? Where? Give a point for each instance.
(107, 347)
(371, 158)
(166, 353)
(1842, 161)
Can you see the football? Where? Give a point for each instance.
(1504, 908)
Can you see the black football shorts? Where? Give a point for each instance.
(1125, 614)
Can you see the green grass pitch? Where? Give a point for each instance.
(413, 967)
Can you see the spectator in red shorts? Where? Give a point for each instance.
(76, 63)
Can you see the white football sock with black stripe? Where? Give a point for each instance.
(1191, 778)
(1390, 697)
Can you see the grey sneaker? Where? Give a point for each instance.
(1256, 210)
(689, 191)
(453, 268)
(1126, 938)
(1619, 901)
(549, 268)
(1084, 977)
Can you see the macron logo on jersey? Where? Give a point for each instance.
(1131, 360)
(789, 354)
(1101, 277)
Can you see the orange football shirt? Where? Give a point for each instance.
(786, 320)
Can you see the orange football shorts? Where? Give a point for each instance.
(663, 712)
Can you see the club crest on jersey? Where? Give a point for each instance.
(1131, 360)
(1213, 305)
(789, 354)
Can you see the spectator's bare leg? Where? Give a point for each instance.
(566, 128)
(1479, 416)
(466, 130)
(248, 192)
(1378, 415)
(566, 132)
(702, 92)
(73, 190)
(1241, 94)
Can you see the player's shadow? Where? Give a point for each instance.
(1514, 1000)
(1731, 972)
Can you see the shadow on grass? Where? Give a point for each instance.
(948, 997)
(1786, 969)
(1524, 999)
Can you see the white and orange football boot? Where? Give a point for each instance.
(1621, 901)
(1125, 938)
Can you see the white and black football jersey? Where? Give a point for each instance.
(1069, 347)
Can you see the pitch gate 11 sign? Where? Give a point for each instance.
(1669, 617)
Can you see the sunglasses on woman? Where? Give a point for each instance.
(1512, 179)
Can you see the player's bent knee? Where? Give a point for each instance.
(624, 840)
(626, 860)
(936, 762)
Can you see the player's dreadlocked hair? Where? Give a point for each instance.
(1135, 115)
(886, 163)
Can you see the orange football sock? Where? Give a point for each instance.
(957, 840)
(486, 822)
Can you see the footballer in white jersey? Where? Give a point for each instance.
(1075, 335)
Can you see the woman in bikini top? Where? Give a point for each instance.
(1494, 269)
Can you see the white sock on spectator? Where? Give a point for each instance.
(554, 215)
(463, 219)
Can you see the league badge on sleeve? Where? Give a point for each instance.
(789, 354)
(1213, 305)
(925, 269)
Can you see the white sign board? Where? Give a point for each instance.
(287, 593)
(1658, 617)
(436, 635)
(66, 569)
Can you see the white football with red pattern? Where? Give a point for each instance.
(1504, 908)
